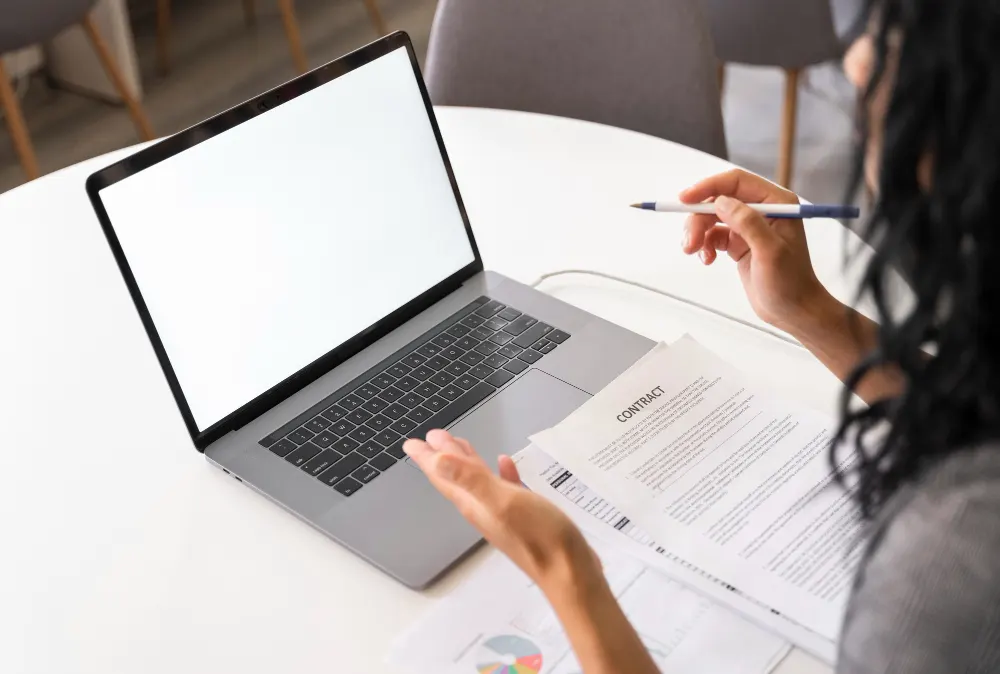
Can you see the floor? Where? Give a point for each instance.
(219, 61)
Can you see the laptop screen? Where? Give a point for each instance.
(263, 248)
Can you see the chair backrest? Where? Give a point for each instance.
(26, 22)
(780, 33)
(644, 65)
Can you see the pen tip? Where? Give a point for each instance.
(635, 205)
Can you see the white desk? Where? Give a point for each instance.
(124, 551)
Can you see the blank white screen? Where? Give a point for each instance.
(261, 249)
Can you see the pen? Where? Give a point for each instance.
(787, 211)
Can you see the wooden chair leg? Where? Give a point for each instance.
(376, 16)
(18, 129)
(163, 36)
(292, 31)
(111, 68)
(250, 12)
(788, 119)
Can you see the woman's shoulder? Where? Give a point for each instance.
(927, 593)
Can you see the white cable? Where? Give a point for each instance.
(676, 298)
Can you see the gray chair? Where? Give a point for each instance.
(789, 34)
(644, 65)
(26, 22)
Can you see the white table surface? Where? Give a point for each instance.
(124, 551)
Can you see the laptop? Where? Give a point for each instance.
(310, 283)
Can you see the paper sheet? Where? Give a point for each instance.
(737, 482)
(498, 620)
(599, 519)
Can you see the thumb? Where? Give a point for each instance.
(746, 222)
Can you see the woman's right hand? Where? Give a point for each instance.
(772, 255)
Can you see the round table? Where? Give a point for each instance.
(124, 551)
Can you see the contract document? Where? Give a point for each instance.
(722, 474)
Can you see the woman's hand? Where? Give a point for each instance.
(534, 533)
(771, 255)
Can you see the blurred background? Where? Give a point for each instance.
(181, 61)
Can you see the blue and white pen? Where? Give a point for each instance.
(786, 211)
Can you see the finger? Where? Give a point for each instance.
(707, 256)
(443, 441)
(419, 451)
(739, 184)
(465, 445)
(508, 469)
(717, 238)
(695, 228)
(746, 222)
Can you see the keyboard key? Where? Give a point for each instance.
(486, 348)
(545, 346)
(490, 308)
(395, 411)
(413, 360)
(455, 369)
(404, 426)
(399, 370)
(324, 439)
(442, 379)
(445, 417)
(386, 437)
(321, 462)
(383, 461)
(410, 400)
(451, 392)
(452, 352)
(465, 381)
(481, 334)
(532, 335)
(435, 403)
(366, 391)
(300, 436)
(443, 340)
(420, 414)
(481, 371)
(303, 454)
(501, 338)
(510, 351)
(530, 356)
(342, 468)
(348, 486)
(427, 389)
(422, 373)
(375, 405)
(467, 343)
(282, 447)
(359, 416)
(509, 314)
(558, 336)
(396, 449)
(342, 427)
(390, 394)
(379, 422)
(516, 366)
(494, 324)
(499, 378)
(472, 358)
(383, 380)
(370, 449)
(351, 402)
(437, 362)
(429, 350)
(406, 383)
(345, 445)
(362, 434)
(518, 326)
(495, 361)
(365, 474)
(479, 301)
(317, 424)
(458, 330)
(472, 321)
(335, 413)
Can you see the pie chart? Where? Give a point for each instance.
(508, 654)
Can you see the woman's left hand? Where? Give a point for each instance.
(533, 532)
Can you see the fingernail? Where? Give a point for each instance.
(702, 257)
(725, 204)
(410, 445)
(686, 239)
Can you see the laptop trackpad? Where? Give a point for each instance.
(532, 403)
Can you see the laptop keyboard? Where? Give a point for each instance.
(359, 433)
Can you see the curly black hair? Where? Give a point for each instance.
(933, 221)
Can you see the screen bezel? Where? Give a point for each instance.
(223, 122)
